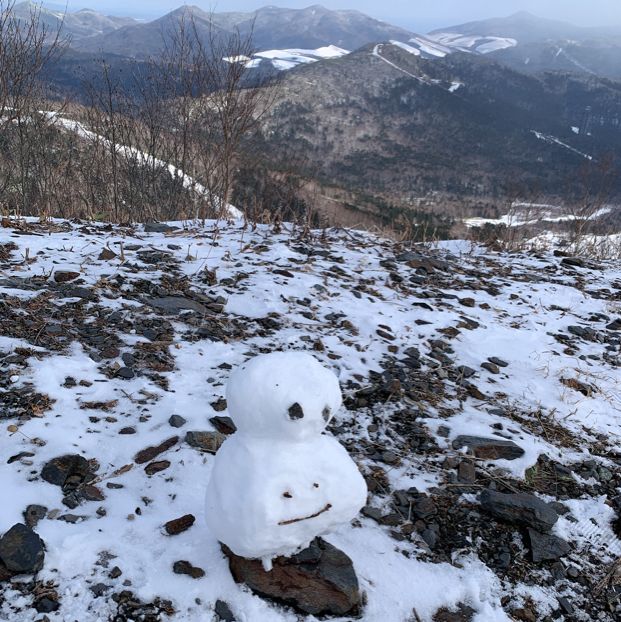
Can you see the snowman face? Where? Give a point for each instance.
(283, 395)
(269, 498)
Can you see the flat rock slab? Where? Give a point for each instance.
(21, 550)
(546, 547)
(320, 580)
(176, 304)
(489, 448)
(520, 508)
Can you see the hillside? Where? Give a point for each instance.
(386, 121)
(467, 373)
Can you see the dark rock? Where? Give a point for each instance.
(156, 467)
(496, 361)
(176, 304)
(92, 493)
(371, 512)
(205, 441)
(219, 405)
(320, 580)
(185, 567)
(566, 605)
(99, 589)
(546, 547)
(128, 430)
(489, 448)
(177, 421)
(106, 254)
(33, 514)
(46, 605)
(224, 425)
(64, 276)
(223, 611)
(179, 525)
(520, 508)
(146, 455)
(67, 471)
(22, 550)
(616, 325)
(126, 373)
(465, 371)
(462, 614)
(490, 367)
(157, 227)
(423, 508)
(115, 573)
(466, 472)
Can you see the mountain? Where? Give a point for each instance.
(140, 40)
(270, 28)
(544, 45)
(76, 25)
(385, 122)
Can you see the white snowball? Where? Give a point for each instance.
(282, 395)
(268, 498)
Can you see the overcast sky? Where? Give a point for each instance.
(418, 15)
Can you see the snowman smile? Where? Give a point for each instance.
(297, 520)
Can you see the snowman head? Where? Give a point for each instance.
(282, 395)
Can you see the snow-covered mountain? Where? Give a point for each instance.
(74, 25)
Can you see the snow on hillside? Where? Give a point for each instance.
(117, 339)
(287, 59)
(478, 44)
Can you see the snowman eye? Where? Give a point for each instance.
(295, 411)
(326, 412)
(315, 485)
(287, 495)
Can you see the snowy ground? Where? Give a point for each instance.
(360, 305)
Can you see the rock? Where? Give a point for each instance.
(177, 421)
(179, 525)
(176, 304)
(67, 471)
(205, 441)
(467, 302)
(489, 448)
(46, 605)
(616, 325)
(496, 361)
(566, 606)
(22, 550)
(465, 371)
(490, 367)
(466, 473)
(219, 405)
(106, 254)
(33, 514)
(115, 573)
(185, 567)
(147, 454)
(320, 580)
(99, 589)
(64, 276)
(520, 508)
(156, 467)
(223, 611)
(371, 512)
(127, 373)
(157, 227)
(546, 547)
(224, 425)
(463, 613)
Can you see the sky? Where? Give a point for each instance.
(417, 15)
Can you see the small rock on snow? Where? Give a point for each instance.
(22, 550)
(520, 508)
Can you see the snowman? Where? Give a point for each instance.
(279, 482)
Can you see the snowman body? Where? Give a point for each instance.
(278, 482)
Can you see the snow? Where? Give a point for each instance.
(284, 60)
(472, 43)
(536, 300)
(277, 483)
(260, 392)
(555, 141)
